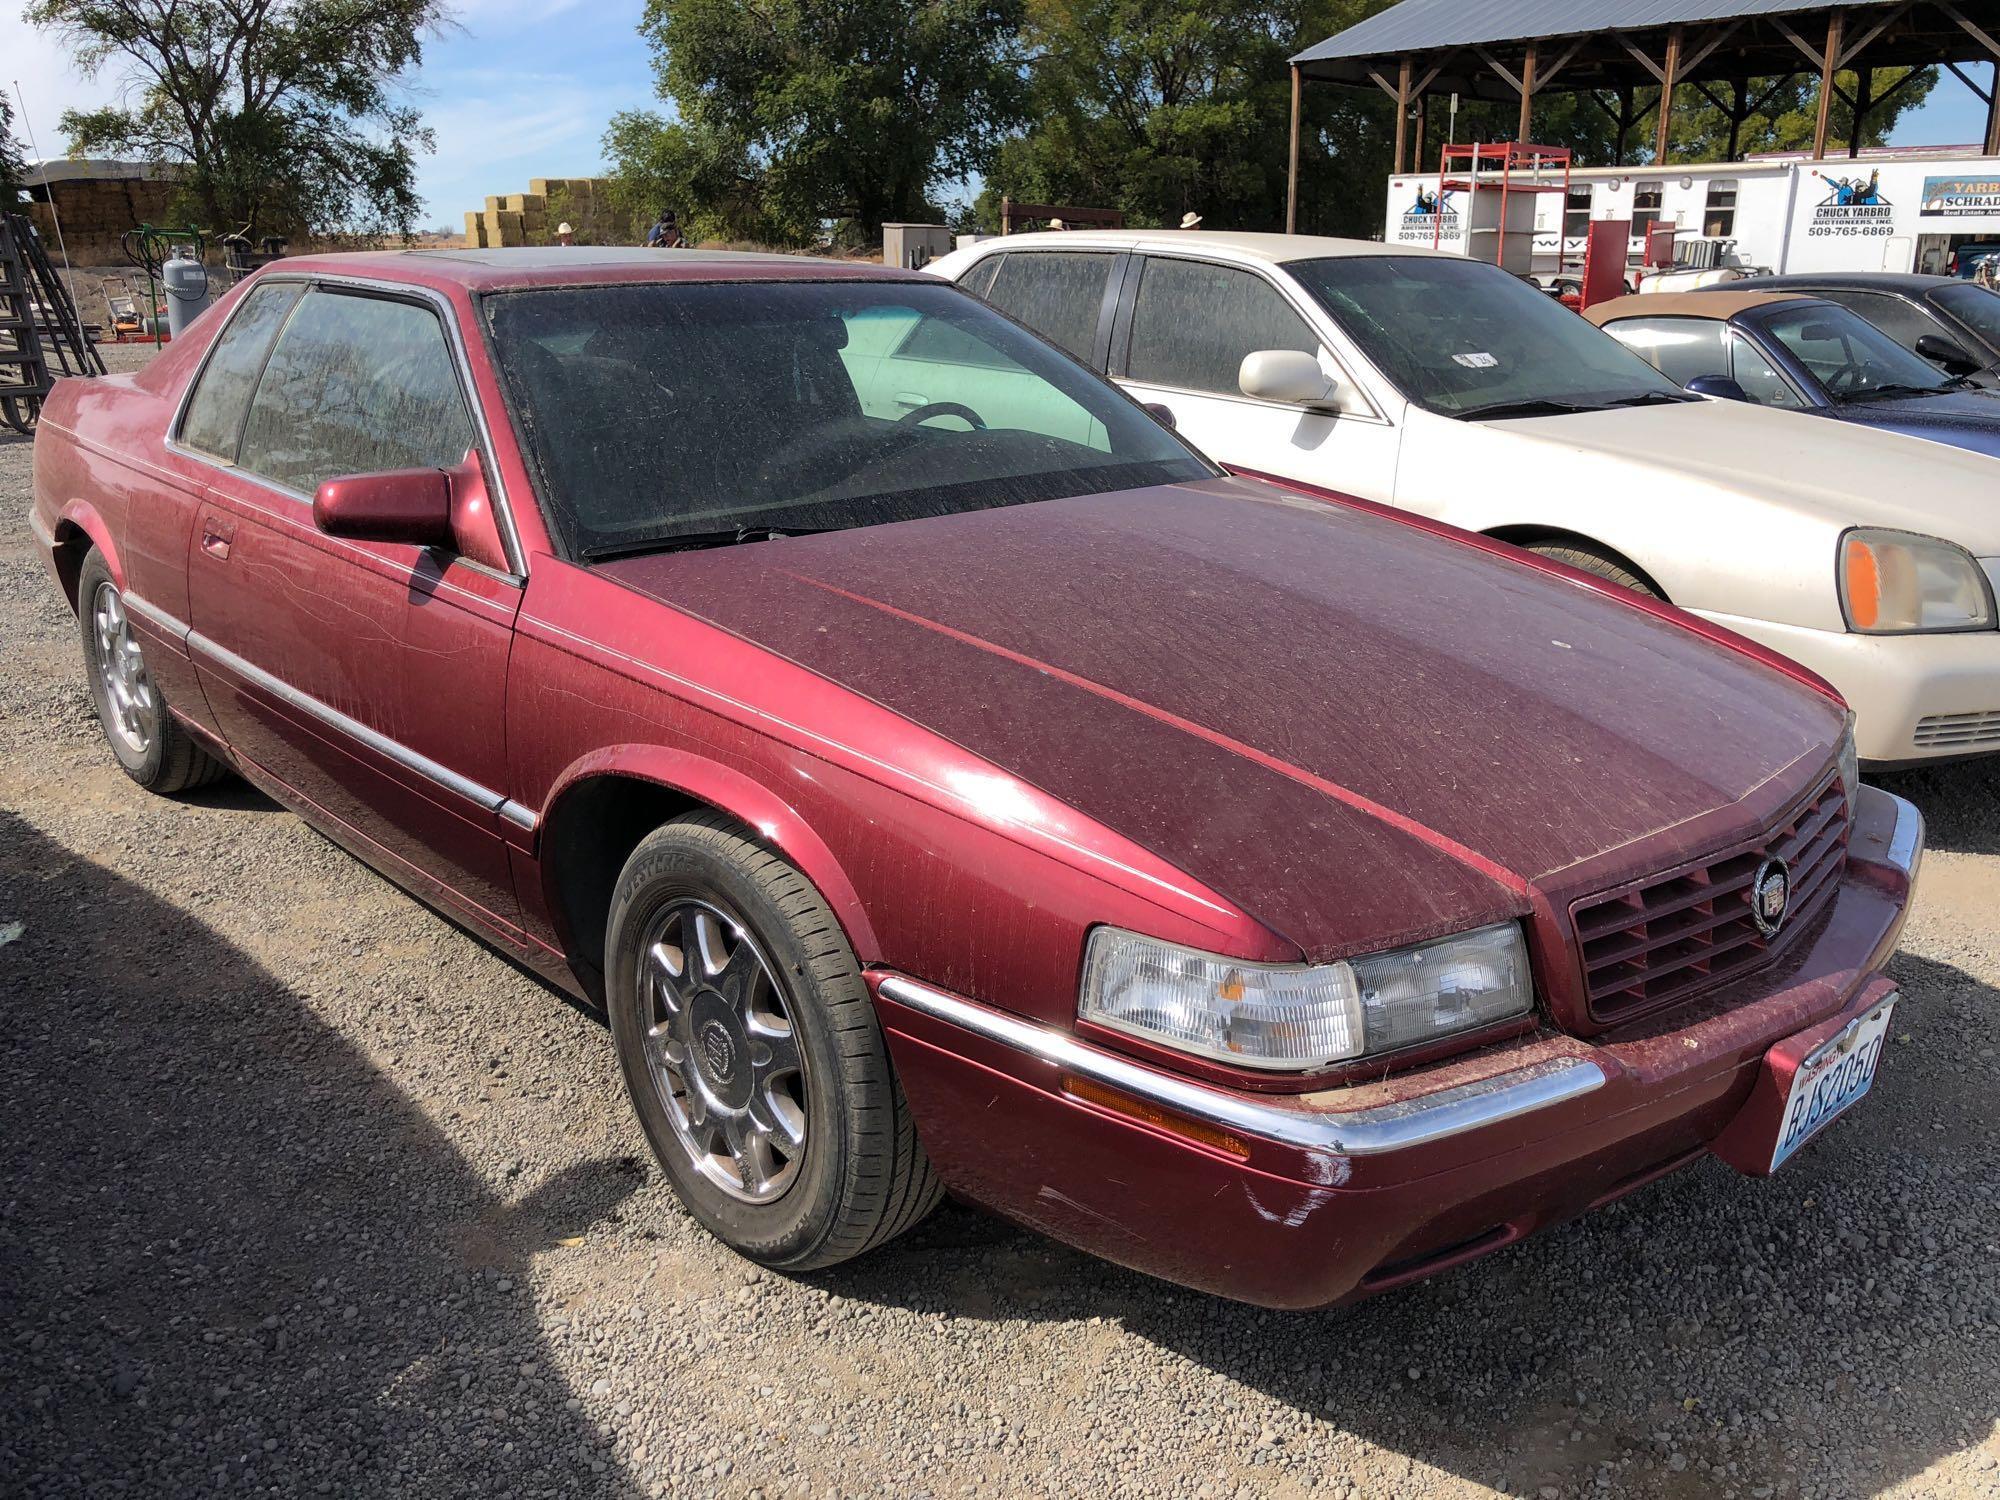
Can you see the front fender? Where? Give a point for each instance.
(743, 798)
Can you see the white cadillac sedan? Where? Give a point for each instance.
(1450, 388)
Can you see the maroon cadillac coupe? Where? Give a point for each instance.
(949, 781)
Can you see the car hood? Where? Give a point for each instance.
(1844, 473)
(1965, 419)
(1350, 727)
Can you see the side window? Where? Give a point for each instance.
(979, 280)
(1679, 348)
(1902, 321)
(1718, 214)
(356, 384)
(1759, 378)
(1058, 293)
(1192, 323)
(215, 414)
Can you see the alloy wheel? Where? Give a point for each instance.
(132, 706)
(721, 1052)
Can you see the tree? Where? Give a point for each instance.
(13, 169)
(1161, 107)
(790, 111)
(284, 115)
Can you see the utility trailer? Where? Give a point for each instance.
(1890, 209)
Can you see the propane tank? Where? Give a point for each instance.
(185, 281)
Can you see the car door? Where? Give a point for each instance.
(1184, 327)
(368, 678)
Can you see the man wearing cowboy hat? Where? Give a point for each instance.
(1190, 221)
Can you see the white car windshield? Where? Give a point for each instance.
(663, 415)
(1465, 339)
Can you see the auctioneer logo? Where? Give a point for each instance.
(1961, 197)
(1429, 214)
(1852, 205)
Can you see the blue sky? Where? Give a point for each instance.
(523, 88)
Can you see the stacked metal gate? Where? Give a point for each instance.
(41, 336)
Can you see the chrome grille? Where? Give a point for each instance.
(1947, 731)
(1663, 938)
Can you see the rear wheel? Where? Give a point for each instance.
(752, 1054)
(1589, 559)
(150, 744)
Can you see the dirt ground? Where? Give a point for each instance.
(303, 1191)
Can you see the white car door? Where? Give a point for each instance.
(1179, 343)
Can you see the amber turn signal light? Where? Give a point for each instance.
(1118, 1102)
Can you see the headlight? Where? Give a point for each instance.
(1849, 763)
(1896, 582)
(1303, 1015)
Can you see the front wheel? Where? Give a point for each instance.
(751, 1051)
(1589, 559)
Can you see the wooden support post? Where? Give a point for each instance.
(1993, 114)
(1524, 131)
(1864, 85)
(1624, 124)
(1829, 65)
(1669, 76)
(1422, 131)
(1292, 172)
(1402, 114)
(1740, 92)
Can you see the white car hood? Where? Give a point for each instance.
(1846, 475)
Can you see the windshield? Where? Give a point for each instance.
(1849, 356)
(1460, 336)
(1975, 307)
(663, 414)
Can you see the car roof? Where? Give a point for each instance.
(575, 265)
(1719, 305)
(1275, 249)
(1859, 281)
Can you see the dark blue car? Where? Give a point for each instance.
(1954, 324)
(1804, 354)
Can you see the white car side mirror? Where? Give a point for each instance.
(1286, 375)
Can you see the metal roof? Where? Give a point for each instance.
(1425, 25)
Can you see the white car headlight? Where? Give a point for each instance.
(1303, 1016)
(1897, 583)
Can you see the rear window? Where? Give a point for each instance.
(662, 415)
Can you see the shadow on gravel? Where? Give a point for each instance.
(232, 1255)
(1960, 803)
(1708, 1320)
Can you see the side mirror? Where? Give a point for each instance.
(399, 505)
(1160, 412)
(1287, 375)
(1952, 356)
(1718, 385)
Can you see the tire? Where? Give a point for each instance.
(829, 1164)
(148, 741)
(1589, 559)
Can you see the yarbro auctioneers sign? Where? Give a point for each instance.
(1852, 205)
(1960, 197)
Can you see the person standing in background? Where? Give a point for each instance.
(665, 233)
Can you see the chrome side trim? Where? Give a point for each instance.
(1363, 1132)
(520, 814)
(153, 615)
(1906, 840)
(333, 718)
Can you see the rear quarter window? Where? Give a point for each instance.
(214, 417)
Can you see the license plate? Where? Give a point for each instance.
(1832, 1079)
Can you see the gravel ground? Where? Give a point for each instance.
(303, 1191)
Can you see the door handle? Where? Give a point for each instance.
(912, 399)
(216, 535)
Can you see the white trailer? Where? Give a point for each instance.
(1892, 209)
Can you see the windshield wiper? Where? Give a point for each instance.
(1892, 391)
(689, 541)
(1536, 406)
(1654, 398)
